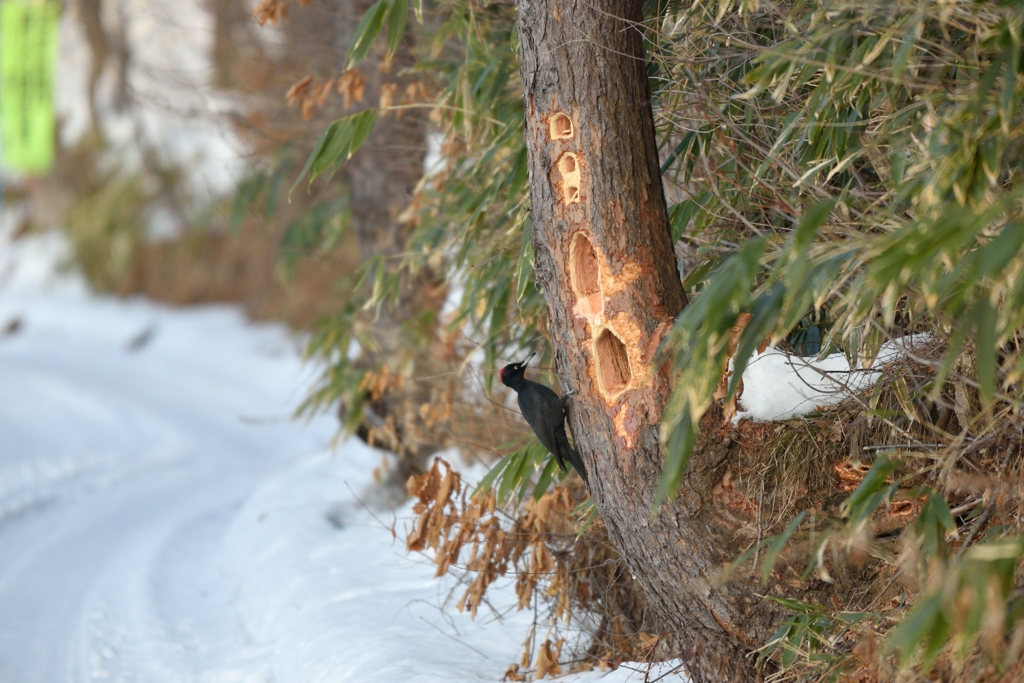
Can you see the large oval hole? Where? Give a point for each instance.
(583, 266)
(561, 127)
(612, 362)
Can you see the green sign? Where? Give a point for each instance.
(28, 52)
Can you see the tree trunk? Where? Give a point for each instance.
(381, 180)
(604, 258)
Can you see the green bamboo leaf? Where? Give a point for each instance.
(989, 152)
(809, 223)
(679, 151)
(338, 143)
(680, 445)
(525, 484)
(488, 481)
(1006, 108)
(791, 645)
(317, 152)
(932, 524)
(535, 456)
(362, 126)
(516, 476)
(985, 315)
(367, 31)
(988, 81)
(1010, 549)
(910, 36)
(700, 273)
(544, 481)
(336, 149)
(898, 162)
(925, 625)
(939, 636)
(778, 542)
(773, 644)
(398, 13)
(798, 606)
(680, 216)
(507, 481)
(863, 501)
(764, 311)
(587, 508)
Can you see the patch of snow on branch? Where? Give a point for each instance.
(780, 386)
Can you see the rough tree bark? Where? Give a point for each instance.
(604, 258)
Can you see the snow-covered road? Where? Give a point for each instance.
(162, 519)
(130, 436)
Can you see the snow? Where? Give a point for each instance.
(780, 386)
(163, 518)
(35, 267)
(174, 109)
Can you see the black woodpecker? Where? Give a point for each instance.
(545, 413)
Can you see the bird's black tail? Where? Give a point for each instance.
(567, 452)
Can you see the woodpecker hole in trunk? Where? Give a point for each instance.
(585, 276)
(560, 126)
(613, 370)
(569, 167)
(583, 266)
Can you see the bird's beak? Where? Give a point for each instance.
(528, 358)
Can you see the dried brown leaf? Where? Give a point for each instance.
(271, 11)
(388, 92)
(512, 673)
(299, 90)
(351, 86)
(547, 659)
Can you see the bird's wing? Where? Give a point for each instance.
(538, 418)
